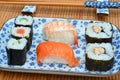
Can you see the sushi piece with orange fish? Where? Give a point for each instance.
(56, 52)
(60, 31)
(23, 32)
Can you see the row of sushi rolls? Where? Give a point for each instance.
(58, 38)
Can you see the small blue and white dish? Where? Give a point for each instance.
(29, 9)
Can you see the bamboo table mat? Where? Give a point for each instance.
(8, 11)
(47, 2)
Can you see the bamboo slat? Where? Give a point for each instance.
(79, 3)
(75, 3)
(8, 11)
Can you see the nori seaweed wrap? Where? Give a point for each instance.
(16, 51)
(99, 57)
(98, 65)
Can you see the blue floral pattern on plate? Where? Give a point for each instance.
(38, 37)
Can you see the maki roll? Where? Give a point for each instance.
(29, 10)
(24, 20)
(23, 32)
(99, 32)
(99, 57)
(16, 51)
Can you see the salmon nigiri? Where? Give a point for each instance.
(60, 31)
(56, 52)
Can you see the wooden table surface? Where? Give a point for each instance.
(8, 11)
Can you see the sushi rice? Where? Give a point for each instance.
(107, 55)
(53, 59)
(26, 32)
(24, 20)
(16, 44)
(106, 31)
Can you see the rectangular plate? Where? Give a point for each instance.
(32, 66)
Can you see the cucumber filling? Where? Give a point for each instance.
(23, 20)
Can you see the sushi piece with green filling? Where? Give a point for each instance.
(99, 57)
(24, 20)
(16, 51)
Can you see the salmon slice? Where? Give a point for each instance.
(20, 31)
(60, 31)
(56, 52)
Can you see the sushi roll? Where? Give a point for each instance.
(99, 32)
(29, 10)
(99, 57)
(56, 52)
(23, 32)
(16, 51)
(60, 31)
(24, 20)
